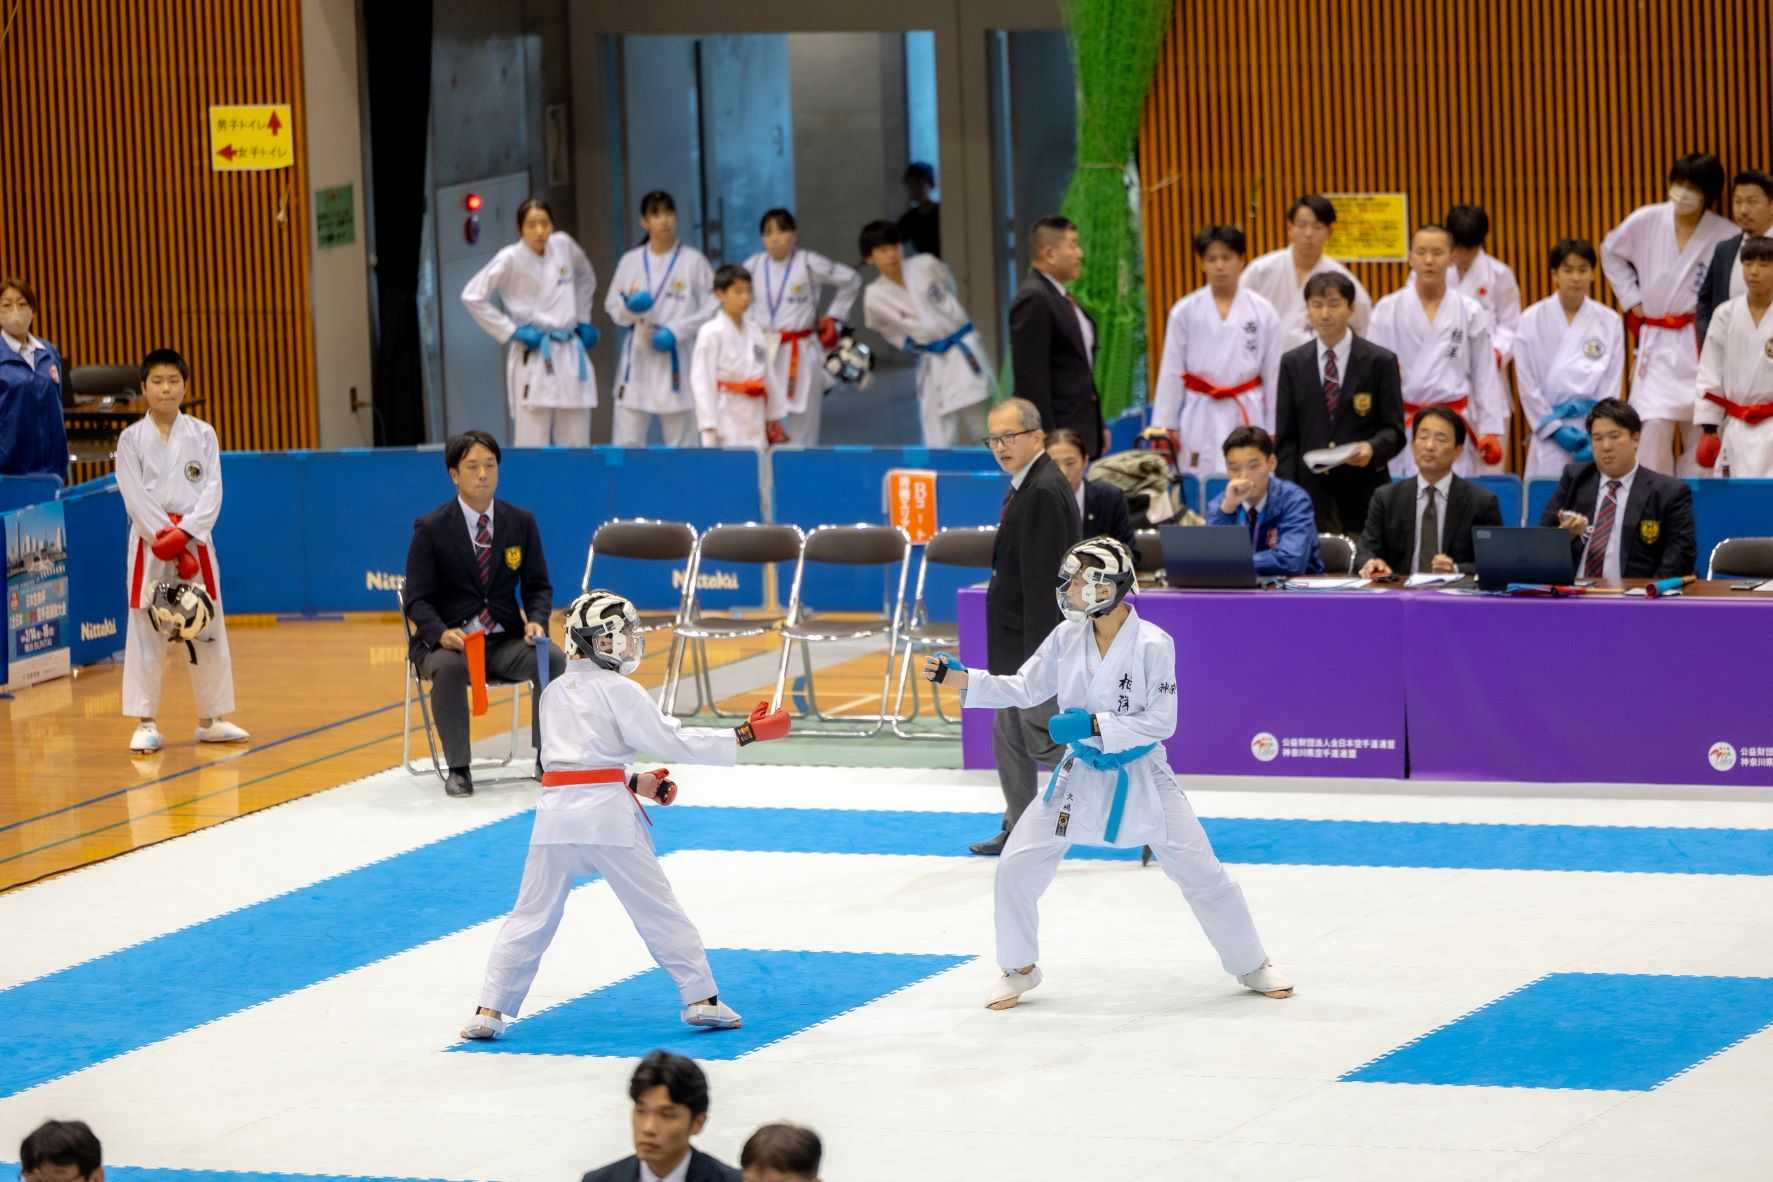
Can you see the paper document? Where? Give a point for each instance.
(1324, 458)
(1431, 580)
(1326, 583)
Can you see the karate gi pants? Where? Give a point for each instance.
(955, 428)
(628, 428)
(145, 653)
(1031, 858)
(1656, 447)
(540, 426)
(634, 874)
(803, 427)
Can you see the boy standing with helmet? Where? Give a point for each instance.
(590, 819)
(1115, 679)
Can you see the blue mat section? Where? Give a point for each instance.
(10, 1169)
(1622, 1032)
(779, 994)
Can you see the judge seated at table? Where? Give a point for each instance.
(1422, 524)
(1625, 521)
(1278, 513)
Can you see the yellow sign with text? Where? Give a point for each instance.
(1370, 227)
(250, 139)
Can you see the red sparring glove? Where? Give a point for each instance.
(828, 328)
(187, 564)
(1710, 444)
(1490, 447)
(763, 726)
(774, 435)
(664, 788)
(168, 542)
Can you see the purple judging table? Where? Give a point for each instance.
(1601, 689)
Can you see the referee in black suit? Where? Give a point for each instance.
(1053, 340)
(469, 559)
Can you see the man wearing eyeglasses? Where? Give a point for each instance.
(1038, 524)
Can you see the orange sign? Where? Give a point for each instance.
(911, 502)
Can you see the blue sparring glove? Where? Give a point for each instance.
(1071, 726)
(529, 337)
(937, 666)
(1571, 439)
(664, 340)
(588, 335)
(638, 302)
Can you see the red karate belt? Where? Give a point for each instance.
(793, 339)
(596, 775)
(1199, 385)
(1457, 406)
(1680, 320)
(1748, 412)
(751, 389)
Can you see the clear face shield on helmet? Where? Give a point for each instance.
(620, 646)
(1095, 576)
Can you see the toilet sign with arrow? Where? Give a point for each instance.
(250, 138)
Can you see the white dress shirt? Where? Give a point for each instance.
(26, 348)
(1431, 546)
(678, 1175)
(1341, 349)
(472, 516)
(1080, 501)
(1609, 564)
(1083, 322)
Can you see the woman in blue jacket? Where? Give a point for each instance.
(32, 437)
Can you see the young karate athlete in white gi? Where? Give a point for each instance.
(915, 305)
(1656, 260)
(548, 288)
(1115, 678)
(1222, 350)
(1568, 355)
(1735, 385)
(169, 470)
(594, 720)
(1442, 341)
(738, 393)
(663, 293)
(1280, 275)
(1481, 276)
(786, 282)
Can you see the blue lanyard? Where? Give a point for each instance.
(775, 300)
(646, 261)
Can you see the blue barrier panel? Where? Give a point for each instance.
(969, 498)
(1191, 492)
(358, 508)
(1124, 428)
(565, 488)
(1539, 491)
(98, 545)
(1507, 488)
(17, 492)
(260, 535)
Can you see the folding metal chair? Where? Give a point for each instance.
(418, 687)
(962, 548)
(845, 545)
(646, 540)
(748, 543)
(1745, 558)
(1337, 551)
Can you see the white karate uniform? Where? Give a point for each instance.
(1559, 361)
(953, 388)
(159, 477)
(735, 354)
(594, 718)
(550, 391)
(785, 300)
(1444, 363)
(1642, 262)
(682, 286)
(1738, 364)
(1225, 352)
(1273, 278)
(1492, 284)
(1132, 692)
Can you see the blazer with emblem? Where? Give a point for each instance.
(443, 579)
(1052, 362)
(1658, 538)
(1370, 410)
(702, 1168)
(1390, 533)
(1040, 522)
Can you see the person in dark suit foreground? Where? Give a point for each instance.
(1337, 389)
(1053, 340)
(1422, 524)
(670, 1096)
(469, 559)
(1038, 525)
(1102, 505)
(1625, 521)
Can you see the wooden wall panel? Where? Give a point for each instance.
(1559, 117)
(109, 207)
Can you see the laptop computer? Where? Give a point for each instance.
(1531, 555)
(1207, 556)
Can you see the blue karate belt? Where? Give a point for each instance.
(954, 340)
(564, 335)
(1096, 759)
(1570, 408)
(628, 360)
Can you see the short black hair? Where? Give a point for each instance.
(791, 1149)
(729, 274)
(530, 203)
(1318, 204)
(1254, 437)
(1468, 224)
(681, 1078)
(1067, 435)
(1755, 177)
(1757, 248)
(781, 217)
(657, 201)
(1580, 247)
(1432, 228)
(1702, 171)
(1229, 237)
(876, 235)
(14, 283)
(61, 1143)
(163, 356)
(918, 170)
(1329, 283)
(456, 450)
(1440, 412)
(1614, 410)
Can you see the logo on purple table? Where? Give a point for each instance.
(1722, 756)
(1265, 747)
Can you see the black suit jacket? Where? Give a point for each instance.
(1105, 512)
(1373, 384)
(1052, 363)
(443, 579)
(1039, 525)
(1659, 540)
(1390, 533)
(702, 1168)
(1714, 293)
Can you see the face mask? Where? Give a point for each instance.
(1686, 201)
(17, 323)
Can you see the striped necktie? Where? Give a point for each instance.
(1332, 383)
(1595, 561)
(483, 556)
